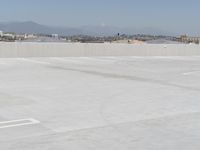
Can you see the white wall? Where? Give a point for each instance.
(79, 49)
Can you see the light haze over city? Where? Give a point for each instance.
(171, 16)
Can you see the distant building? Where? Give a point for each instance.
(56, 36)
(30, 36)
(187, 39)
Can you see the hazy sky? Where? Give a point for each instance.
(169, 15)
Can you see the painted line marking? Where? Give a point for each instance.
(17, 123)
(35, 61)
(192, 72)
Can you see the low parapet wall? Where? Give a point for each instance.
(9, 50)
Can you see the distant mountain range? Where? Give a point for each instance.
(35, 28)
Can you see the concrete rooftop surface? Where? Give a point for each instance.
(100, 103)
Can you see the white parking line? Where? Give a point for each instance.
(17, 123)
(35, 61)
(192, 72)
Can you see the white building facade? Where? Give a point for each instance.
(1, 33)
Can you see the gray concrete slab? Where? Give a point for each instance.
(115, 103)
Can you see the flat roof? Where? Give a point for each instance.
(100, 103)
